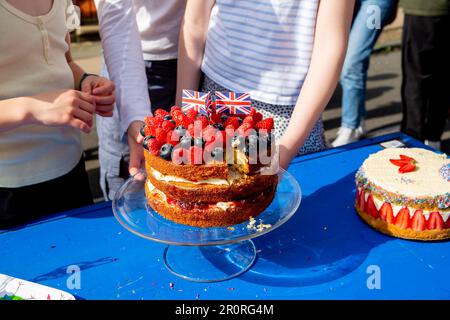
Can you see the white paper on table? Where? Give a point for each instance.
(22, 289)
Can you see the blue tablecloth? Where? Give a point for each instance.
(324, 252)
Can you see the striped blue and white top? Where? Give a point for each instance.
(261, 46)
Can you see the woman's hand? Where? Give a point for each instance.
(63, 108)
(102, 90)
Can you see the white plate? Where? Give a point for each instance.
(17, 289)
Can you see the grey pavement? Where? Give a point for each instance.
(383, 102)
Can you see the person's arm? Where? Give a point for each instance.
(58, 108)
(193, 31)
(123, 56)
(330, 45)
(77, 71)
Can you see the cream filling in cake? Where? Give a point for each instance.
(445, 214)
(222, 205)
(425, 181)
(232, 175)
(153, 189)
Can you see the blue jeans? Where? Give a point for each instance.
(113, 150)
(363, 36)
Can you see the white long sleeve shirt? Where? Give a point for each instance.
(131, 31)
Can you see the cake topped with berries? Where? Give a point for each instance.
(210, 169)
(405, 193)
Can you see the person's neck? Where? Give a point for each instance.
(33, 8)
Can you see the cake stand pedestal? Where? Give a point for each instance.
(210, 263)
(204, 254)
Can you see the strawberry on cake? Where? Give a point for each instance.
(204, 170)
(405, 193)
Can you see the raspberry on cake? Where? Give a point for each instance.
(201, 174)
(405, 193)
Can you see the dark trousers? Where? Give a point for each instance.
(162, 83)
(426, 72)
(21, 205)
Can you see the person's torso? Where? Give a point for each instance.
(261, 47)
(32, 61)
(159, 24)
(426, 7)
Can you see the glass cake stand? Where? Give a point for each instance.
(204, 254)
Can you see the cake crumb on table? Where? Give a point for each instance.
(257, 227)
(251, 223)
(261, 226)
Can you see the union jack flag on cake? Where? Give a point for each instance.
(195, 100)
(233, 102)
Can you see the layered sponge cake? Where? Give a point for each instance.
(405, 193)
(200, 170)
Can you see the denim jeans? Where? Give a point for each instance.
(363, 36)
(113, 148)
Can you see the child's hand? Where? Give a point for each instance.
(64, 108)
(286, 152)
(136, 150)
(103, 91)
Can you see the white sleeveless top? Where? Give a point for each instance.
(32, 61)
(261, 46)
